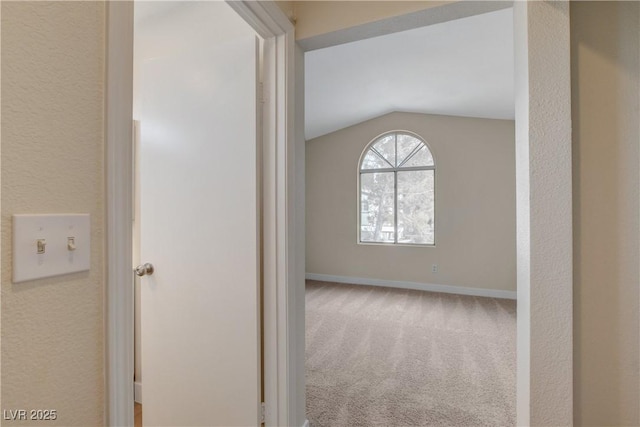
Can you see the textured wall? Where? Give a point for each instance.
(605, 73)
(543, 165)
(52, 162)
(320, 17)
(475, 204)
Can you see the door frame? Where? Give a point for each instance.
(266, 18)
(544, 199)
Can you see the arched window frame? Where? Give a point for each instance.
(395, 170)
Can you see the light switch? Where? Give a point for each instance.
(50, 245)
(41, 244)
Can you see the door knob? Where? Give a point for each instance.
(144, 270)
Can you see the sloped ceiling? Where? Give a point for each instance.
(461, 68)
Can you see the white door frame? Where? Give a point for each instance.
(278, 121)
(543, 141)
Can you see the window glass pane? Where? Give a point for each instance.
(373, 161)
(421, 158)
(406, 145)
(416, 218)
(386, 146)
(376, 207)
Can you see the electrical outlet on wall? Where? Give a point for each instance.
(434, 268)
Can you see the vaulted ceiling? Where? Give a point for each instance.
(462, 68)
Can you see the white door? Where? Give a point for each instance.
(196, 69)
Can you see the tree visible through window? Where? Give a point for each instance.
(397, 177)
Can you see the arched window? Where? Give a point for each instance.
(397, 191)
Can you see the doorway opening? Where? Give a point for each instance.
(410, 191)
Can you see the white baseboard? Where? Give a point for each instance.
(306, 423)
(460, 290)
(137, 392)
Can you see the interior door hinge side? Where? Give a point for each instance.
(262, 95)
(262, 412)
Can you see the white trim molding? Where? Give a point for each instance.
(429, 287)
(282, 387)
(137, 392)
(119, 189)
(306, 423)
(265, 17)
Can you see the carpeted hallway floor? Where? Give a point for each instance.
(393, 357)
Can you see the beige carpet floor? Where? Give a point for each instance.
(393, 357)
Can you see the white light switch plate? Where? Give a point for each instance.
(58, 258)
